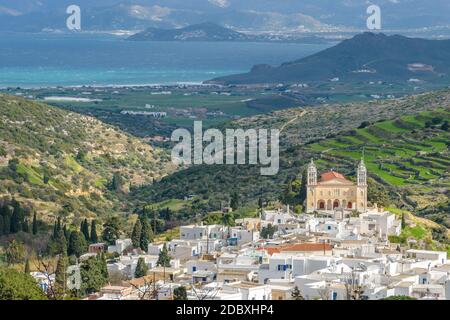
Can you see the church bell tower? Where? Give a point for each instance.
(311, 201)
(361, 196)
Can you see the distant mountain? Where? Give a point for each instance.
(199, 32)
(313, 15)
(367, 56)
(213, 32)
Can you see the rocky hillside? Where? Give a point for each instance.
(64, 163)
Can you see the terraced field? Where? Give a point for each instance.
(409, 154)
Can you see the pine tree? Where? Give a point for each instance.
(94, 236)
(164, 258)
(141, 268)
(35, 226)
(85, 230)
(136, 234)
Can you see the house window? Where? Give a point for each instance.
(194, 269)
(329, 227)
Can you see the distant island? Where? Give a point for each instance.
(213, 32)
(365, 57)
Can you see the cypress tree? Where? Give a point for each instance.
(61, 273)
(94, 236)
(403, 225)
(146, 235)
(141, 268)
(58, 226)
(136, 234)
(35, 226)
(27, 266)
(164, 258)
(60, 243)
(77, 244)
(7, 224)
(104, 266)
(25, 227)
(15, 222)
(66, 233)
(234, 203)
(55, 231)
(303, 187)
(2, 227)
(85, 230)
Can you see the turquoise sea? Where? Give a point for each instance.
(41, 60)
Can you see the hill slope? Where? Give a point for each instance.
(61, 162)
(367, 56)
(301, 127)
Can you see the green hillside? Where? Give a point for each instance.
(61, 163)
(405, 148)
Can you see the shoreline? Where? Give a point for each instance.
(112, 86)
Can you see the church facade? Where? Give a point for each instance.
(334, 192)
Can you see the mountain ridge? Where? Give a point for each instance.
(366, 56)
(32, 15)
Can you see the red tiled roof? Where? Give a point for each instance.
(330, 175)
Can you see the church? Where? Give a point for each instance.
(333, 191)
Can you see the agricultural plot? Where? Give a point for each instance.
(409, 152)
